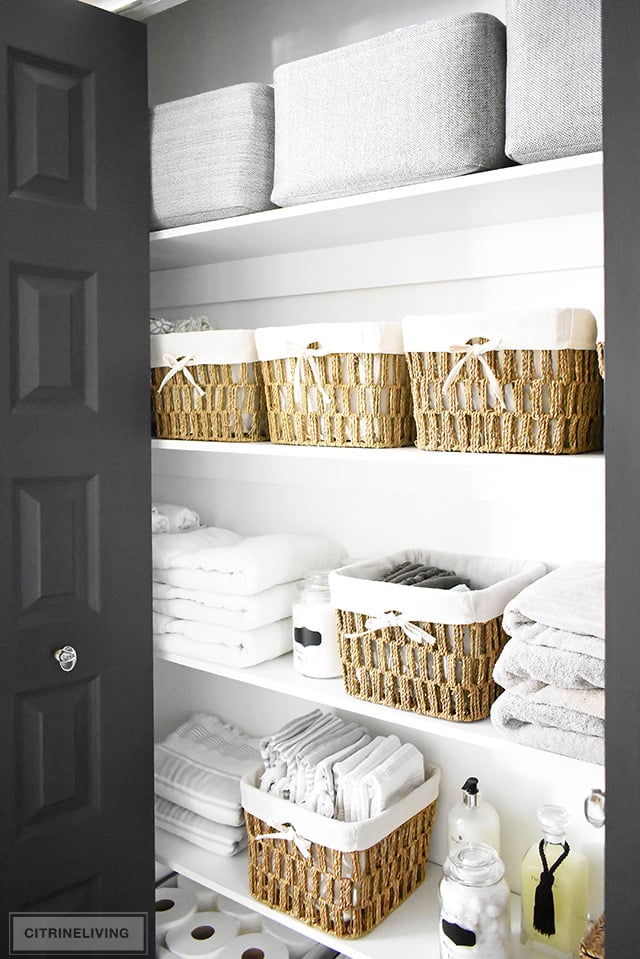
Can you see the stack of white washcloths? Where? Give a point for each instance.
(167, 518)
(198, 769)
(220, 597)
(337, 769)
(552, 668)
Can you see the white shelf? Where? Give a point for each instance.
(553, 188)
(412, 930)
(278, 675)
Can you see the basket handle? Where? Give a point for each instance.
(288, 832)
(179, 364)
(411, 630)
(476, 350)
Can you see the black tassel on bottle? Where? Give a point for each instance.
(544, 913)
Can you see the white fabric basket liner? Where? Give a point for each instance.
(280, 342)
(333, 833)
(540, 329)
(496, 581)
(211, 347)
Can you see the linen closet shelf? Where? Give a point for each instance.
(558, 491)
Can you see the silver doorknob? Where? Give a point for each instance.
(594, 808)
(67, 658)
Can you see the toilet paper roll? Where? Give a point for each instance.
(255, 945)
(203, 936)
(249, 920)
(297, 944)
(173, 908)
(206, 898)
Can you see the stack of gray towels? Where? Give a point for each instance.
(552, 668)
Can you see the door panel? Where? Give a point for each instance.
(77, 802)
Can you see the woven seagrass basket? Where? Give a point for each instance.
(442, 680)
(342, 384)
(433, 651)
(207, 386)
(343, 891)
(556, 403)
(232, 409)
(592, 946)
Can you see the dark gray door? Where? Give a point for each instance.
(76, 815)
(621, 70)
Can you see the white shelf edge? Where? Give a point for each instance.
(278, 675)
(308, 226)
(412, 929)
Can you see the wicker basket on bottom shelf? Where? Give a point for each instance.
(592, 946)
(388, 668)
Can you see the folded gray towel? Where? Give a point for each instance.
(547, 664)
(564, 609)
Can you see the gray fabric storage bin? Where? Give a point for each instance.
(423, 102)
(554, 98)
(212, 155)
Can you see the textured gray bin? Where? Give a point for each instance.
(554, 99)
(421, 103)
(212, 155)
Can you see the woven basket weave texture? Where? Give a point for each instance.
(556, 400)
(368, 401)
(342, 893)
(232, 409)
(592, 946)
(450, 680)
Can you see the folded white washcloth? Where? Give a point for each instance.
(547, 664)
(209, 633)
(277, 775)
(343, 768)
(256, 646)
(305, 792)
(241, 566)
(564, 609)
(389, 782)
(233, 612)
(546, 719)
(208, 792)
(324, 790)
(212, 836)
(269, 744)
(180, 518)
(159, 523)
(351, 783)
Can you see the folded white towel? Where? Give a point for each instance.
(353, 805)
(208, 633)
(212, 836)
(285, 754)
(180, 518)
(540, 719)
(210, 741)
(257, 646)
(269, 744)
(159, 523)
(547, 664)
(564, 609)
(344, 767)
(208, 792)
(233, 612)
(242, 566)
(389, 782)
(305, 791)
(325, 730)
(324, 790)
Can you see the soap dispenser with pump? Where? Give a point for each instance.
(472, 820)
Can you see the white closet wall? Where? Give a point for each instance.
(547, 508)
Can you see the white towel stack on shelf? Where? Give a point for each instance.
(552, 669)
(337, 769)
(167, 518)
(198, 769)
(223, 598)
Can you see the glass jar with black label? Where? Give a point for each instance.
(315, 644)
(474, 905)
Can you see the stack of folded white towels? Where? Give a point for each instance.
(198, 769)
(337, 769)
(552, 668)
(220, 597)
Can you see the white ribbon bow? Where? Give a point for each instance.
(288, 832)
(411, 630)
(177, 365)
(306, 355)
(478, 350)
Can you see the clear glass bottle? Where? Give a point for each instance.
(315, 642)
(554, 928)
(472, 820)
(475, 905)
